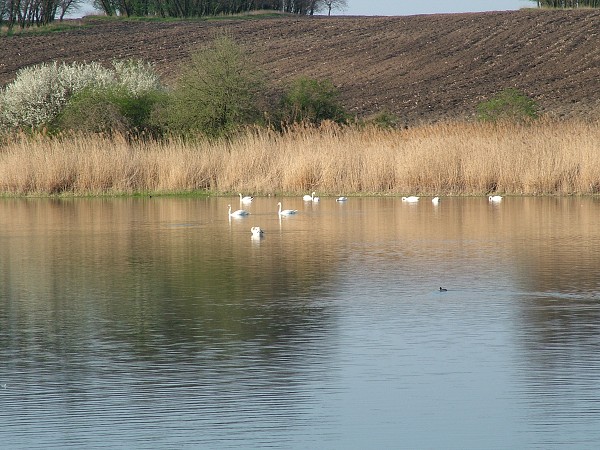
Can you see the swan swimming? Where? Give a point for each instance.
(435, 200)
(237, 213)
(257, 231)
(411, 199)
(495, 198)
(341, 199)
(309, 198)
(286, 212)
(247, 199)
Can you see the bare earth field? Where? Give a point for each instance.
(422, 68)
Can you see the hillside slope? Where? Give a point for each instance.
(423, 68)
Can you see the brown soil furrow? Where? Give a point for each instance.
(423, 68)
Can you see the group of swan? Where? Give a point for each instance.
(436, 200)
(258, 232)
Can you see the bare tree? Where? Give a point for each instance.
(335, 4)
(69, 6)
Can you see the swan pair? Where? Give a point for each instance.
(311, 198)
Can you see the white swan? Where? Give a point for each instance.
(341, 199)
(495, 198)
(257, 231)
(411, 199)
(315, 199)
(309, 198)
(247, 199)
(435, 200)
(286, 212)
(237, 213)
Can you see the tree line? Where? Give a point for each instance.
(25, 13)
(568, 3)
(200, 8)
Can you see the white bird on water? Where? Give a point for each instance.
(257, 231)
(286, 212)
(435, 200)
(341, 199)
(411, 199)
(311, 198)
(495, 198)
(237, 213)
(247, 199)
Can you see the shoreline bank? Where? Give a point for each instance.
(452, 159)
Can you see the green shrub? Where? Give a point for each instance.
(385, 119)
(312, 101)
(112, 110)
(217, 93)
(510, 105)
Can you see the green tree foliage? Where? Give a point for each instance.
(218, 93)
(312, 101)
(108, 111)
(509, 105)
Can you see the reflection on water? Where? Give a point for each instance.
(163, 323)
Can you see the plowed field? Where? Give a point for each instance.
(422, 68)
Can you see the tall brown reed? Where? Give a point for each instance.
(445, 159)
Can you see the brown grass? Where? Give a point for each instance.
(448, 159)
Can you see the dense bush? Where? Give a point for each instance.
(40, 93)
(385, 119)
(108, 111)
(312, 101)
(510, 105)
(217, 93)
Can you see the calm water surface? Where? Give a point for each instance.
(160, 323)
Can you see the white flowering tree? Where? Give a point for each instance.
(39, 93)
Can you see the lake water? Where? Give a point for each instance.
(160, 323)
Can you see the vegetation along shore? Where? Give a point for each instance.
(463, 104)
(450, 159)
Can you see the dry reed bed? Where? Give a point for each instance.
(446, 159)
